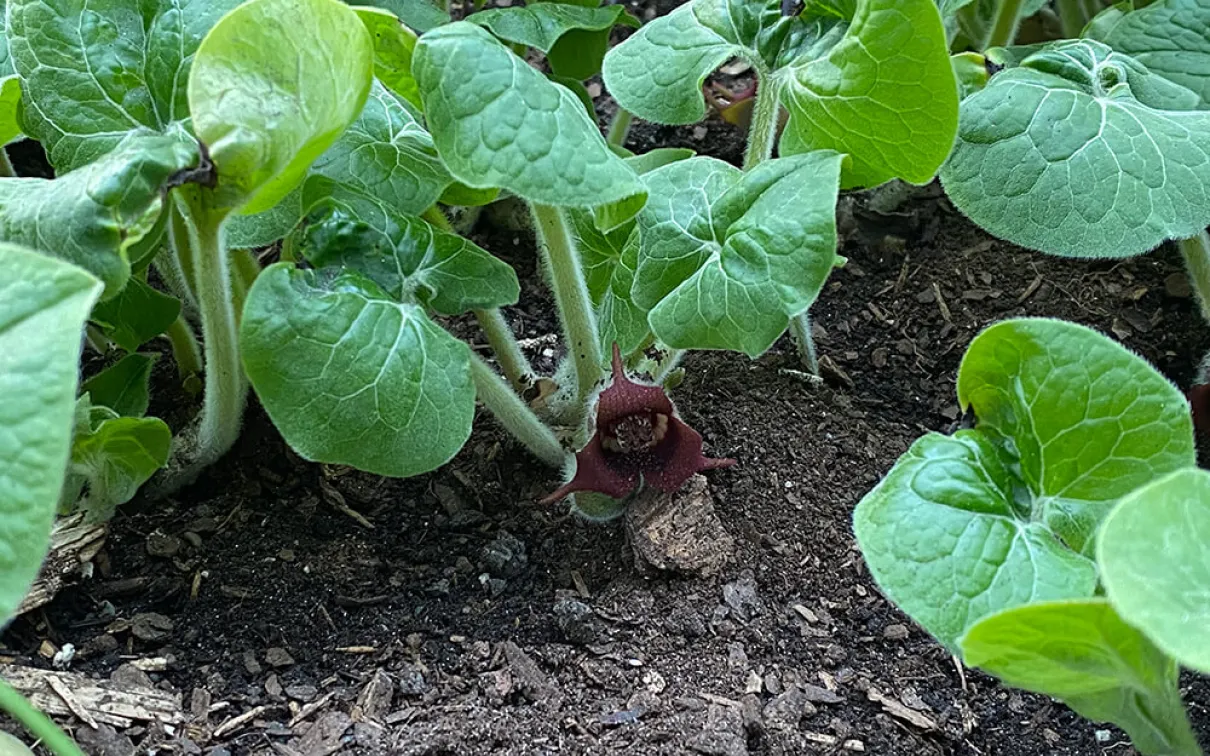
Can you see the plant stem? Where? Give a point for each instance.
(800, 329)
(39, 725)
(185, 349)
(619, 127)
(515, 415)
(6, 166)
(97, 340)
(571, 294)
(223, 408)
(1196, 251)
(1071, 17)
(1004, 31)
(504, 345)
(177, 269)
(763, 131)
(244, 270)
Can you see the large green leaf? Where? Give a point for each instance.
(345, 358)
(394, 45)
(93, 215)
(123, 386)
(1154, 553)
(497, 122)
(1004, 514)
(111, 456)
(136, 315)
(726, 259)
(351, 376)
(43, 306)
(1082, 152)
(1171, 38)
(1082, 653)
(573, 37)
(876, 84)
(273, 85)
(420, 15)
(93, 70)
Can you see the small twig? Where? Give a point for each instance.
(941, 305)
(238, 721)
(1034, 285)
(337, 500)
(72, 703)
(961, 673)
(311, 708)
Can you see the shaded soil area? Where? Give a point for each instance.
(301, 609)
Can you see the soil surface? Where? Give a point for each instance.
(455, 615)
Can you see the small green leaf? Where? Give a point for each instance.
(351, 376)
(394, 45)
(111, 457)
(1171, 38)
(1082, 653)
(43, 306)
(976, 19)
(263, 228)
(10, 102)
(996, 517)
(93, 70)
(728, 258)
(872, 79)
(272, 86)
(1155, 565)
(573, 37)
(609, 261)
(135, 316)
(123, 386)
(93, 215)
(419, 15)
(498, 123)
(1082, 152)
(658, 158)
(408, 258)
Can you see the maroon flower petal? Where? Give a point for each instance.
(678, 458)
(598, 471)
(625, 397)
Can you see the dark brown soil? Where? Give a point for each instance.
(512, 628)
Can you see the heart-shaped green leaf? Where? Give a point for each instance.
(573, 37)
(1156, 567)
(1082, 653)
(875, 82)
(93, 70)
(111, 457)
(498, 123)
(1082, 152)
(273, 85)
(1003, 515)
(43, 305)
(123, 386)
(726, 259)
(93, 215)
(135, 316)
(609, 261)
(1171, 38)
(394, 45)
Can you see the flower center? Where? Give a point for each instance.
(635, 432)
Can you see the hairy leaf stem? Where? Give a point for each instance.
(1004, 31)
(39, 725)
(800, 328)
(514, 414)
(669, 363)
(763, 131)
(1196, 251)
(185, 349)
(177, 269)
(619, 127)
(571, 294)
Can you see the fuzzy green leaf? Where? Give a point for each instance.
(876, 83)
(10, 103)
(1004, 514)
(94, 70)
(394, 45)
(1082, 152)
(497, 122)
(111, 457)
(123, 386)
(420, 15)
(573, 38)
(351, 376)
(1171, 38)
(1155, 564)
(93, 215)
(1082, 653)
(609, 260)
(726, 259)
(135, 316)
(43, 306)
(273, 85)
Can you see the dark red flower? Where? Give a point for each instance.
(638, 437)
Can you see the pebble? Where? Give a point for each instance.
(505, 556)
(163, 545)
(740, 596)
(895, 632)
(575, 621)
(278, 657)
(251, 665)
(411, 681)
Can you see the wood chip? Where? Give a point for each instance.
(76, 708)
(72, 545)
(102, 700)
(238, 721)
(311, 708)
(720, 700)
(899, 711)
(941, 305)
(357, 650)
(821, 738)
